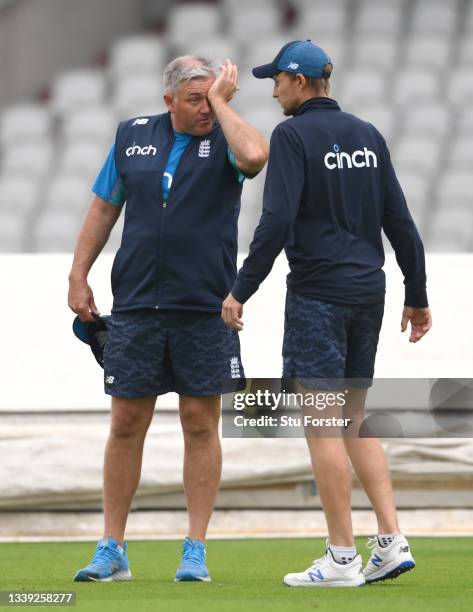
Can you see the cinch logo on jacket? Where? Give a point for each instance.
(358, 159)
(137, 150)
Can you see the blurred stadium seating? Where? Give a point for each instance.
(404, 65)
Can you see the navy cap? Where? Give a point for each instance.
(93, 333)
(298, 56)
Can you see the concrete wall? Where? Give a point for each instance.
(43, 366)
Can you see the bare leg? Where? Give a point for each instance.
(202, 459)
(331, 471)
(369, 462)
(123, 455)
(332, 474)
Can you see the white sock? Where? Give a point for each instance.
(385, 539)
(342, 554)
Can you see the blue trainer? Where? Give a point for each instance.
(192, 565)
(108, 563)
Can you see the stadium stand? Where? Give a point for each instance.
(363, 86)
(136, 55)
(78, 89)
(329, 17)
(24, 121)
(138, 95)
(217, 47)
(189, 21)
(254, 23)
(435, 16)
(414, 87)
(417, 154)
(430, 118)
(94, 124)
(380, 18)
(404, 65)
(32, 158)
(379, 52)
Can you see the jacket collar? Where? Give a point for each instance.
(317, 104)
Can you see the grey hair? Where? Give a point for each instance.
(185, 68)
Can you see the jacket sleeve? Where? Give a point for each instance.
(402, 233)
(282, 193)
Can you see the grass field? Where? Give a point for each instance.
(246, 576)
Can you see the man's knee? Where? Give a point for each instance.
(200, 419)
(129, 418)
(354, 408)
(124, 427)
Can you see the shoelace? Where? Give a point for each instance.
(317, 563)
(192, 554)
(372, 542)
(100, 553)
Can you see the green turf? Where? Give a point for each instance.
(247, 576)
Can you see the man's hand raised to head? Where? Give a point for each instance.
(232, 311)
(225, 85)
(421, 322)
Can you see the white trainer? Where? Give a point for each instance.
(390, 561)
(326, 572)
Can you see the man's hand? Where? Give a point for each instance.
(421, 322)
(81, 299)
(225, 85)
(232, 311)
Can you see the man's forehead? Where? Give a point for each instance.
(280, 75)
(196, 85)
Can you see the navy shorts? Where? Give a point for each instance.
(325, 344)
(150, 353)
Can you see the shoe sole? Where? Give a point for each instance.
(339, 583)
(405, 566)
(190, 578)
(115, 577)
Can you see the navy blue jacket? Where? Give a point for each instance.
(330, 189)
(180, 254)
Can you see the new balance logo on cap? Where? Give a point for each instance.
(358, 159)
(293, 66)
(137, 150)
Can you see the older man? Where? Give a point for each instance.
(180, 174)
(330, 191)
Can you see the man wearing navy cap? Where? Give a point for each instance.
(330, 191)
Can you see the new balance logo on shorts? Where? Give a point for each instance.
(109, 380)
(357, 159)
